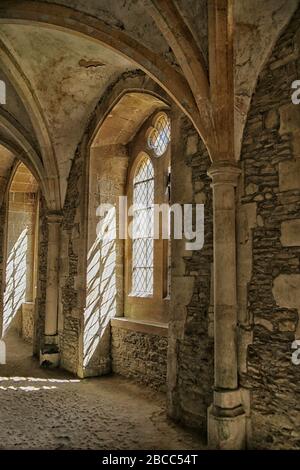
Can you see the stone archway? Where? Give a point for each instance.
(107, 161)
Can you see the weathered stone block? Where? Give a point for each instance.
(286, 290)
(200, 198)
(192, 144)
(199, 185)
(290, 232)
(251, 188)
(296, 143)
(245, 337)
(289, 118)
(289, 175)
(28, 321)
(271, 119)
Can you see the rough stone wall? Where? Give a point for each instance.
(72, 255)
(271, 186)
(191, 332)
(28, 321)
(140, 356)
(40, 301)
(258, 24)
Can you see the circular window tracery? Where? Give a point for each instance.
(159, 135)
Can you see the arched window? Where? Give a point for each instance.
(147, 270)
(142, 229)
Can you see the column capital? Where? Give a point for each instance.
(54, 217)
(224, 172)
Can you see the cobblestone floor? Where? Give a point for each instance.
(42, 409)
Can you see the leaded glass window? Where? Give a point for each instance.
(142, 233)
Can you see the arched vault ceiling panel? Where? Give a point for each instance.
(6, 163)
(127, 116)
(14, 107)
(68, 74)
(195, 16)
(5, 136)
(258, 25)
(128, 16)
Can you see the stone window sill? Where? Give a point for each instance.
(153, 328)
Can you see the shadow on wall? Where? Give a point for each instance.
(15, 292)
(101, 291)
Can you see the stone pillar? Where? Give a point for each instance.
(50, 352)
(226, 416)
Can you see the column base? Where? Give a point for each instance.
(49, 354)
(227, 422)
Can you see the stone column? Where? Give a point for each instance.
(226, 416)
(50, 351)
